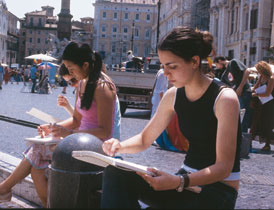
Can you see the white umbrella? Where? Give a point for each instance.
(42, 57)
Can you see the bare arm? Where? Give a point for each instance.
(269, 88)
(225, 143)
(225, 149)
(244, 79)
(152, 130)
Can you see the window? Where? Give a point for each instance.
(113, 48)
(115, 15)
(135, 51)
(40, 22)
(148, 17)
(137, 16)
(31, 21)
(254, 19)
(126, 16)
(114, 29)
(30, 40)
(103, 29)
(231, 54)
(103, 35)
(30, 31)
(246, 21)
(38, 40)
(39, 32)
(136, 34)
(124, 48)
(46, 41)
(104, 14)
(125, 30)
(147, 34)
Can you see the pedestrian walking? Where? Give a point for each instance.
(6, 75)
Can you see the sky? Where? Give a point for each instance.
(78, 8)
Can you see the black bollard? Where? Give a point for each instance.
(74, 183)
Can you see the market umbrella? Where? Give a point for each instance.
(46, 65)
(42, 57)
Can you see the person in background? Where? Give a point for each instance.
(208, 116)
(263, 125)
(159, 88)
(26, 75)
(7, 75)
(1, 75)
(33, 76)
(235, 75)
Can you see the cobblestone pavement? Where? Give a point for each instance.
(257, 171)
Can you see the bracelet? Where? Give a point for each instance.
(186, 180)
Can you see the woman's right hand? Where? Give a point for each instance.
(62, 101)
(44, 130)
(112, 146)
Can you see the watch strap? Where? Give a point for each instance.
(186, 180)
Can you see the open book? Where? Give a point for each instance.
(42, 116)
(48, 140)
(262, 89)
(103, 161)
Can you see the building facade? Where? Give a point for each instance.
(200, 14)
(3, 31)
(122, 25)
(242, 29)
(172, 13)
(35, 30)
(12, 39)
(272, 24)
(83, 31)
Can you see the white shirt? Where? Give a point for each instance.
(161, 86)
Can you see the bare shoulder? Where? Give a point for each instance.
(169, 97)
(228, 100)
(103, 89)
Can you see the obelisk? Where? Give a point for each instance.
(64, 21)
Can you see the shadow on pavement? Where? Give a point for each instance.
(142, 114)
(259, 151)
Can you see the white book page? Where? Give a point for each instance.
(103, 160)
(262, 89)
(48, 140)
(42, 116)
(94, 158)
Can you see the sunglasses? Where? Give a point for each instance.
(72, 81)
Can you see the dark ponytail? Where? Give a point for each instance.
(80, 55)
(186, 43)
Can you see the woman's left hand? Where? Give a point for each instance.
(162, 180)
(58, 131)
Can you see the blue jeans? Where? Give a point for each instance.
(33, 84)
(244, 100)
(123, 189)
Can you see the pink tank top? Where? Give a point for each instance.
(89, 117)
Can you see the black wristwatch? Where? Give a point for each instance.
(180, 188)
